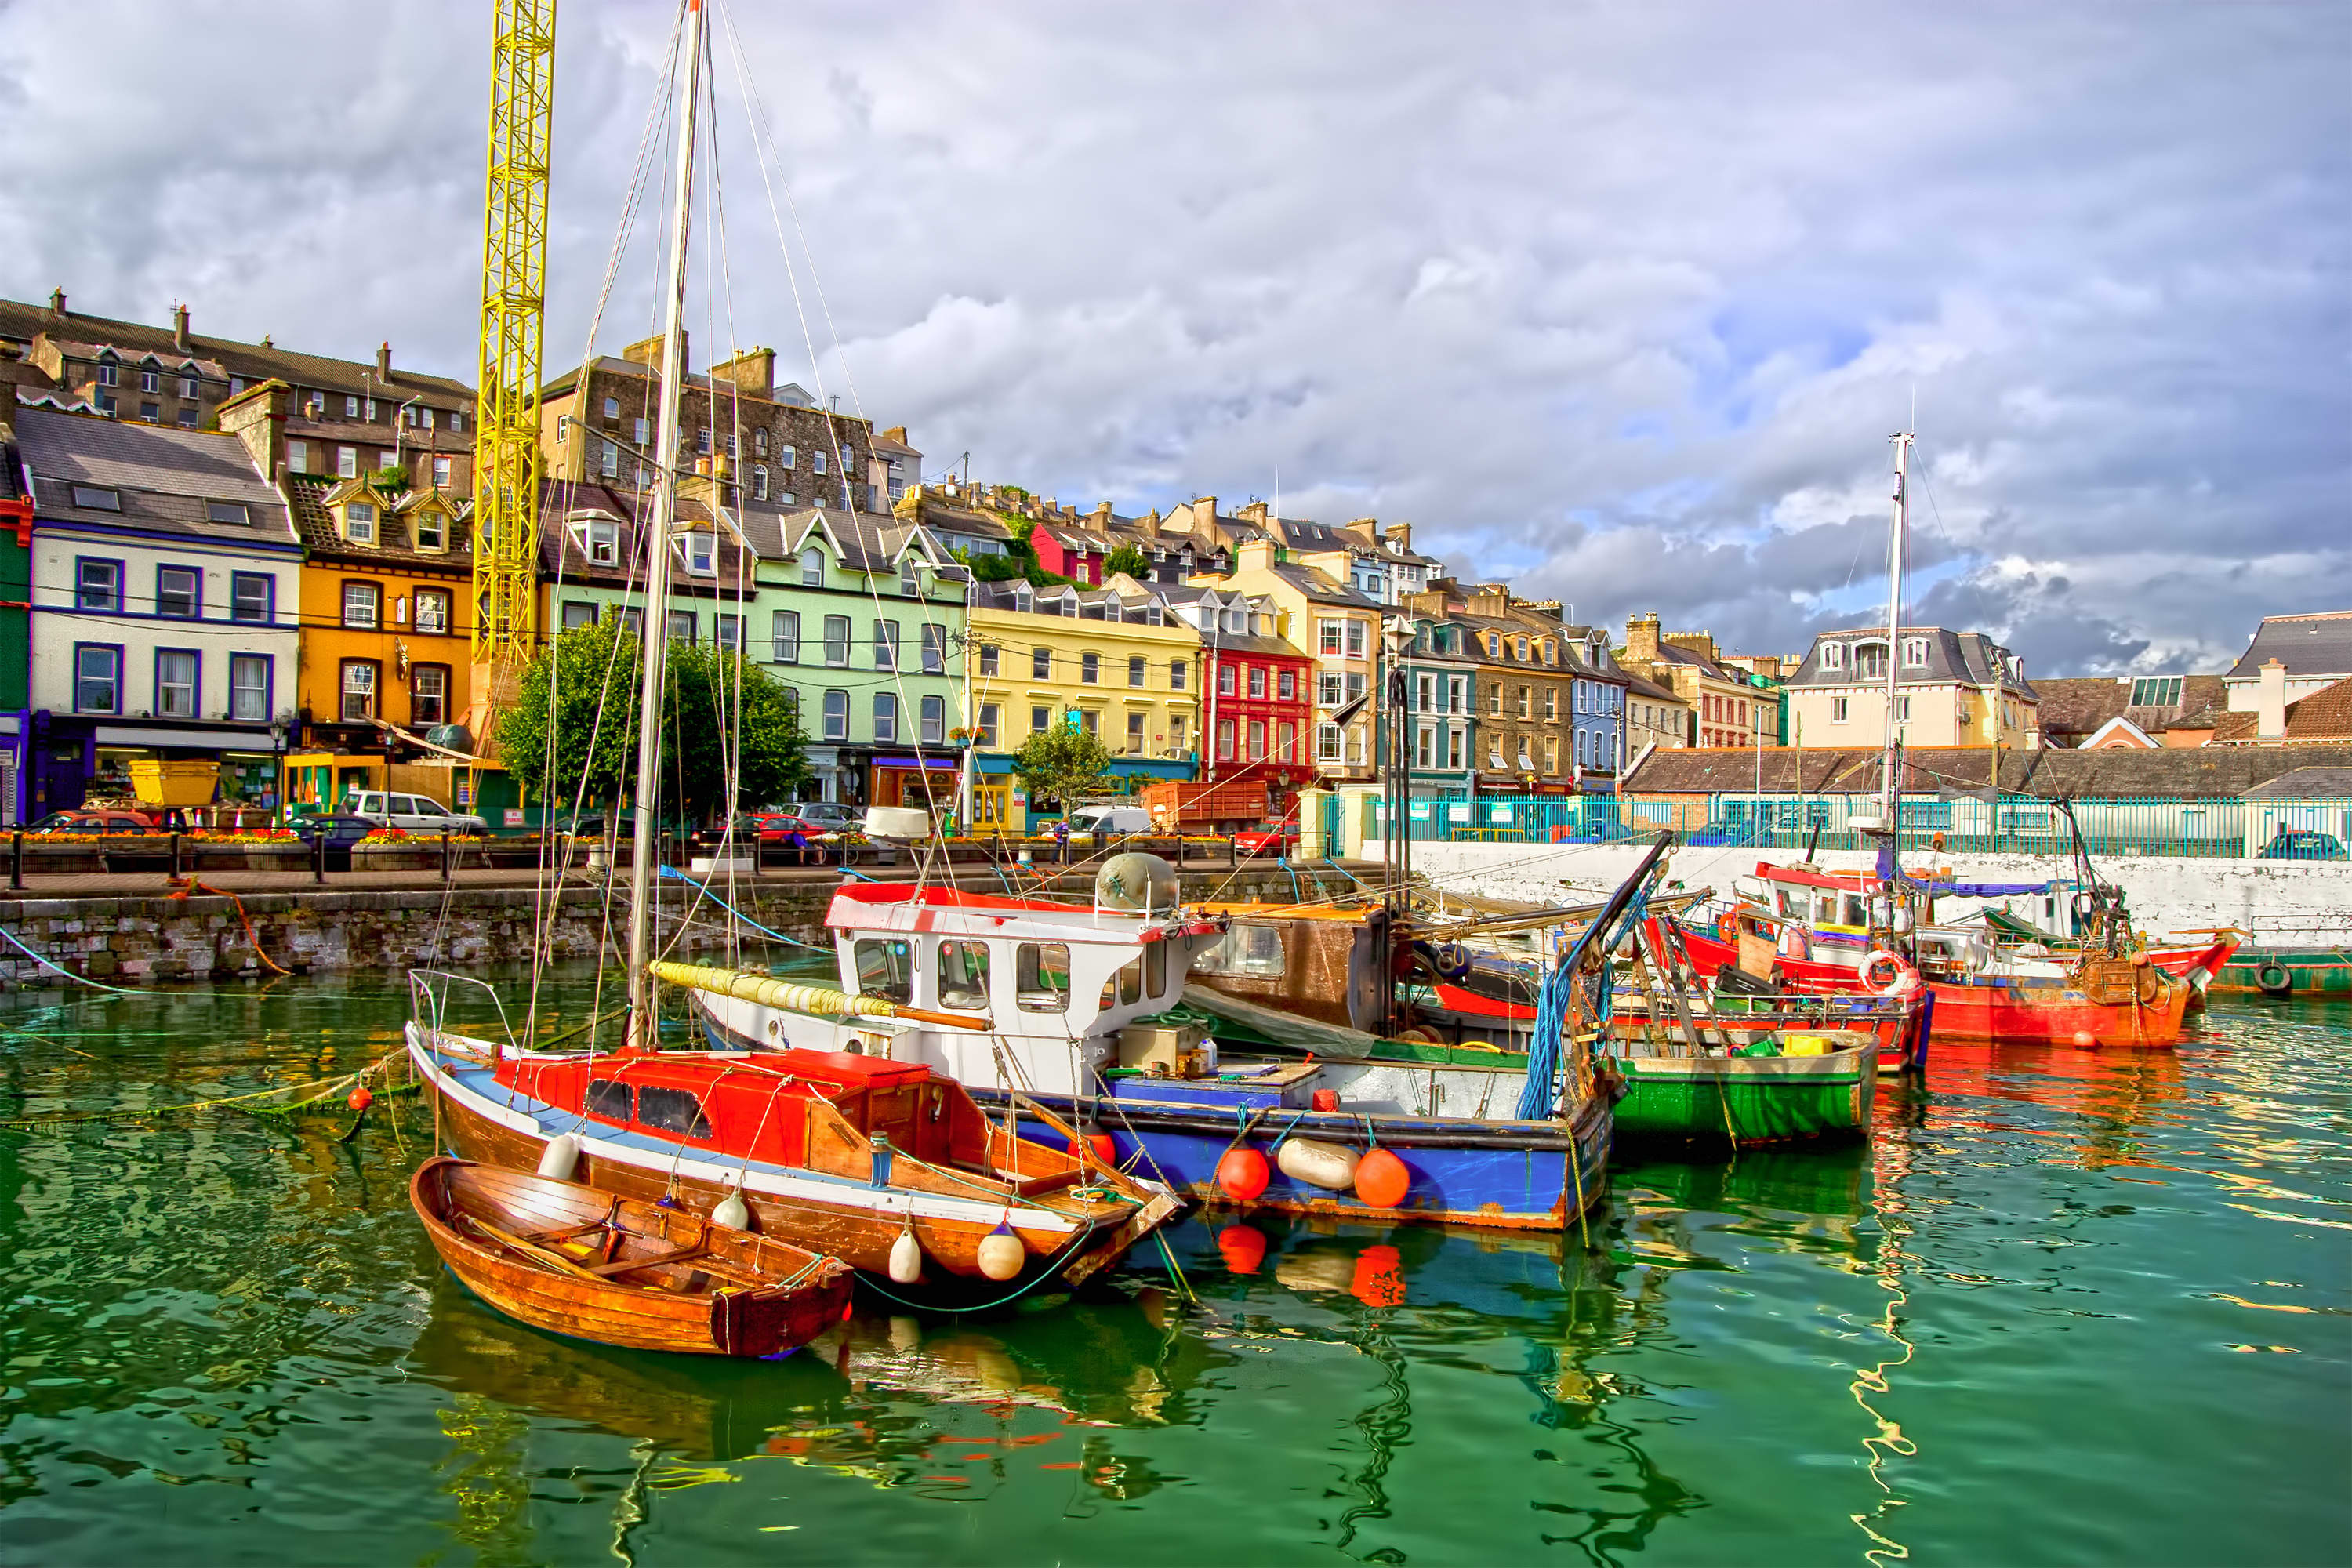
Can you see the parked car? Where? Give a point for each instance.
(1268, 838)
(1720, 832)
(340, 829)
(410, 812)
(95, 820)
(830, 815)
(2298, 844)
(1108, 821)
(1590, 830)
(765, 827)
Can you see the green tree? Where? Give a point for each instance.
(391, 481)
(1060, 764)
(1130, 559)
(583, 689)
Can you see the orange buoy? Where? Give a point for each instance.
(1327, 1099)
(1106, 1152)
(1380, 1277)
(1382, 1180)
(360, 1099)
(1243, 1174)
(1242, 1247)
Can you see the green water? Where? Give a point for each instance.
(2068, 1308)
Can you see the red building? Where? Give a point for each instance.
(1071, 553)
(1259, 717)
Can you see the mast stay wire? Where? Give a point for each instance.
(763, 150)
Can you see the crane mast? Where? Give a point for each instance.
(507, 462)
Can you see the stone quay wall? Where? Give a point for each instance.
(148, 941)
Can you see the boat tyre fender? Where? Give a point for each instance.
(1898, 976)
(1450, 964)
(2275, 980)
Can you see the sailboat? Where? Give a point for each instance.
(887, 1165)
(2108, 990)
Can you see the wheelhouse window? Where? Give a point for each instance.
(1253, 951)
(672, 1110)
(1040, 977)
(963, 974)
(884, 968)
(1124, 987)
(612, 1100)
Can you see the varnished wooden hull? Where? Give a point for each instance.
(860, 1234)
(777, 1296)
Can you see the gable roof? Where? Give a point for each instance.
(2317, 643)
(2123, 726)
(163, 475)
(24, 322)
(311, 494)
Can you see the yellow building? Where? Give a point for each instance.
(1113, 660)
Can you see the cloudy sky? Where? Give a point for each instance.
(1619, 303)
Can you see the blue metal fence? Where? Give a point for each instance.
(2026, 825)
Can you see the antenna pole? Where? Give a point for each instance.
(642, 1030)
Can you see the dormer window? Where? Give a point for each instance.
(1833, 656)
(359, 522)
(107, 372)
(1551, 651)
(231, 513)
(1914, 653)
(1023, 599)
(812, 567)
(911, 581)
(699, 552)
(97, 498)
(1869, 660)
(430, 534)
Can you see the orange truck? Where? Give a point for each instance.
(1223, 807)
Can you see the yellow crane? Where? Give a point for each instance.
(507, 463)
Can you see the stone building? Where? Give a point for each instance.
(1726, 706)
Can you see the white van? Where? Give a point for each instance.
(410, 812)
(1108, 821)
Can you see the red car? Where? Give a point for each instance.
(1268, 838)
(96, 819)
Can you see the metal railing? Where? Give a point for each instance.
(2211, 827)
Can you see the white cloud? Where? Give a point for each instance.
(1623, 301)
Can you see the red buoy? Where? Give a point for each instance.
(1106, 1152)
(1382, 1180)
(360, 1099)
(1243, 1174)
(1327, 1099)
(1380, 1277)
(1244, 1247)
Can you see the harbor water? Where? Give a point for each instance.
(2065, 1308)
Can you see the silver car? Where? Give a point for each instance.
(411, 813)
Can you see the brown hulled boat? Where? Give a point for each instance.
(593, 1265)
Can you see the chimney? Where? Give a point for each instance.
(1204, 512)
(1257, 555)
(1256, 511)
(753, 371)
(258, 418)
(1399, 536)
(57, 302)
(1102, 514)
(180, 328)
(2270, 703)
(1641, 638)
(383, 361)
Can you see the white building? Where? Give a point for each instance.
(1952, 688)
(166, 594)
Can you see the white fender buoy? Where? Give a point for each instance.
(561, 1158)
(1002, 1253)
(733, 1212)
(1331, 1166)
(906, 1258)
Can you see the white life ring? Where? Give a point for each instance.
(1901, 977)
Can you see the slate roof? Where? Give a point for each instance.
(2189, 773)
(1005, 595)
(2075, 707)
(2306, 784)
(394, 531)
(163, 476)
(24, 322)
(2307, 645)
(1651, 691)
(1320, 589)
(1970, 656)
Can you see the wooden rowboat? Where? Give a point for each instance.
(595, 1266)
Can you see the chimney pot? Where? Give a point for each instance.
(383, 361)
(180, 328)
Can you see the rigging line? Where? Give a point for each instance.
(69, 975)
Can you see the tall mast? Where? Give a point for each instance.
(656, 638)
(1890, 782)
